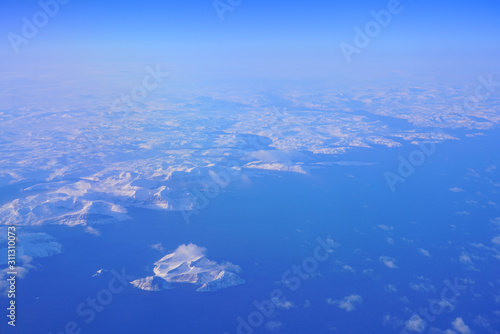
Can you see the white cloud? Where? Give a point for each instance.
(446, 305)
(273, 325)
(456, 190)
(332, 243)
(93, 231)
(462, 213)
(390, 288)
(482, 321)
(348, 268)
(282, 304)
(424, 252)
(460, 326)
(422, 287)
(368, 272)
(415, 324)
(158, 247)
(496, 240)
(394, 321)
(465, 258)
(491, 168)
(190, 251)
(348, 303)
(388, 261)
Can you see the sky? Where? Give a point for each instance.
(292, 39)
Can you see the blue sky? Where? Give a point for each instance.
(258, 37)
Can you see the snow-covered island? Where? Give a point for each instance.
(188, 264)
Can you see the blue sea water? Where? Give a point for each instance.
(270, 223)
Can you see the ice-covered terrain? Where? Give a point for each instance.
(86, 163)
(29, 246)
(188, 264)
